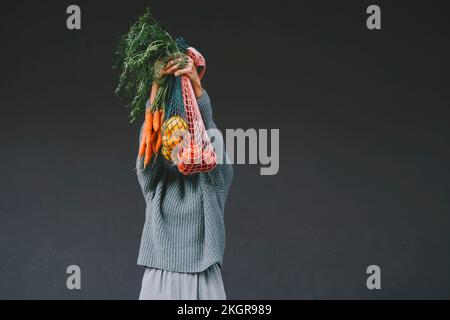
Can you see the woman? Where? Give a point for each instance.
(183, 239)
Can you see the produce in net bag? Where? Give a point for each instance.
(185, 140)
(173, 124)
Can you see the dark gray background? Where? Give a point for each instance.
(363, 118)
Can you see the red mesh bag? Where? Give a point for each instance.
(186, 139)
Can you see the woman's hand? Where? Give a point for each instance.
(189, 70)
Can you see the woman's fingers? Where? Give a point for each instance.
(180, 72)
(186, 70)
(172, 65)
(160, 68)
(172, 69)
(172, 62)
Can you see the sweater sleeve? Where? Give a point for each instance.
(222, 175)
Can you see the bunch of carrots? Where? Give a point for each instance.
(151, 136)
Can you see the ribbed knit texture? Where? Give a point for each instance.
(184, 224)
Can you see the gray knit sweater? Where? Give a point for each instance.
(184, 225)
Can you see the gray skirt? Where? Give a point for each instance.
(158, 284)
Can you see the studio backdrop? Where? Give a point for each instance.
(345, 197)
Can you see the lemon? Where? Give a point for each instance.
(166, 153)
(169, 142)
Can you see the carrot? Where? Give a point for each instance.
(156, 120)
(147, 128)
(159, 138)
(148, 151)
(158, 141)
(142, 144)
(153, 141)
(149, 120)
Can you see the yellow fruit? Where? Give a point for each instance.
(170, 126)
(173, 141)
(165, 152)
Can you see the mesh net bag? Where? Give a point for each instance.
(184, 137)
